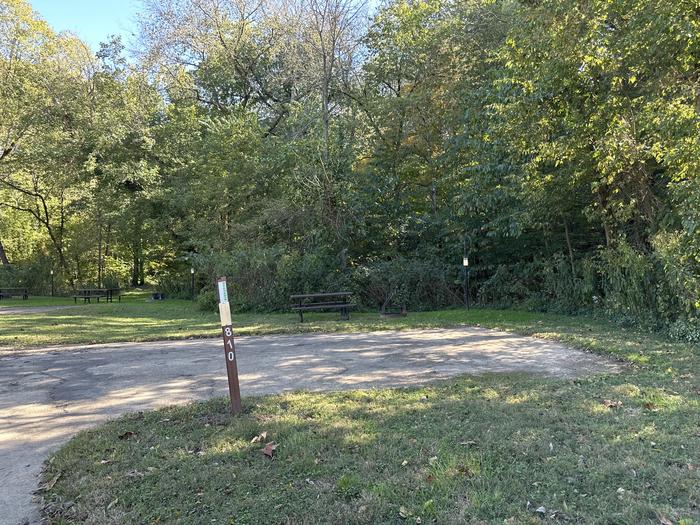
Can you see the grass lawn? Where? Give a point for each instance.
(617, 449)
(36, 301)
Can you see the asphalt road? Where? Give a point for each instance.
(48, 395)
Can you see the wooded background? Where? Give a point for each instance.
(308, 145)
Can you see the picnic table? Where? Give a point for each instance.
(87, 294)
(8, 293)
(322, 301)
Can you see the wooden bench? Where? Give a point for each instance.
(322, 301)
(9, 293)
(87, 294)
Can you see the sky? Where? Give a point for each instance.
(92, 20)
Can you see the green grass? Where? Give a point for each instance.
(35, 301)
(489, 449)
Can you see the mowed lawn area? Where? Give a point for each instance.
(615, 449)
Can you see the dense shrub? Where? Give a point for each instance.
(415, 283)
(175, 285)
(658, 290)
(34, 274)
(262, 279)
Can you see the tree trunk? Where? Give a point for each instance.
(603, 202)
(571, 250)
(135, 269)
(325, 93)
(3, 256)
(99, 257)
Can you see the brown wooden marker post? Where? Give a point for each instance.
(234, 389)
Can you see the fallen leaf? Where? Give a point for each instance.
(259, 438)
(465, 471)
(269, 449)
(112, 503)
(404, 463)
(432, 460)
(127, 435)
(468, 443)
(541, 510)
(50, 484)
(609, 403)
(665, 521)
(403, 512)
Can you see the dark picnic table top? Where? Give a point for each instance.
(92, 290)
(324, 294)
(15, 289)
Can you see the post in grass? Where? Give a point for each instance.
(234, 389)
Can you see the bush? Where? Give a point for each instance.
(679, 287)
(175, 286)
(544, 284)
(685, 330)
(34, 274)
(207, 301)
(416, 283)
(262, 279)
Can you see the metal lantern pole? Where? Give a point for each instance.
(467, 272)
(52, 286)
(465, 265)
(192, 274)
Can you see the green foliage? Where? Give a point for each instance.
(560, 137)
(415, 283)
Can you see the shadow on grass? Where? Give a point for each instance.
(458, 452)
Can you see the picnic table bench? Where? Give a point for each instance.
(87, 294)
(8, 293)
(322, 301)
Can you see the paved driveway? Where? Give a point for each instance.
(47, 396)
